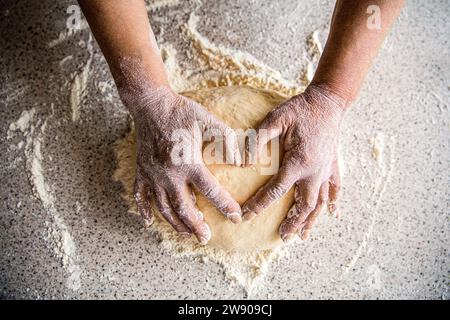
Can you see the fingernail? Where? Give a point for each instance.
(287, 237)
(205, 236)
(203, 240)
(249, 216)
(235, 217)
(305, 234)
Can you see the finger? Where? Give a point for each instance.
(273, 190)
(306, 194)
(334, 189)
(208, 185)
(163, 204)
(183, 206)
(226, 141)
(305, 230)
(231, 146)
(142, 197)
(222, 134)
(269, 129)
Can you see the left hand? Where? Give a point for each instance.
(309, 126)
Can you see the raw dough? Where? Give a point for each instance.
(240, 107)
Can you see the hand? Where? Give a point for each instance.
(309, 127)
(165, 173)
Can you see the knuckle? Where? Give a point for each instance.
(277, 190)
(212, 191)
(289, 226)
(308, 205)
(178, 208)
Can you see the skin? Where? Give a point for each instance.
(309, 124)
(123, 32)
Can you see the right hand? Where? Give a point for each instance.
(309, 125)
(158, 113)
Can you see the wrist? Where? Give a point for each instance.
(139, 71)
(147, 100)
(142, 86)
(337, 97)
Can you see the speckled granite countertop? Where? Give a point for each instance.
(392, 241)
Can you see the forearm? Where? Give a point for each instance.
(352, 45)
(122, 30)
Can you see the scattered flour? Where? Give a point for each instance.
(314, 45)
(377, 144)
(245, 268)
(58, 234)
(153, 5)
(220, 66)
(79, 83)
(314, 51)
(382, 177)
(67, 33)
(22, 123)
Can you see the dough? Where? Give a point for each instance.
(240, 107)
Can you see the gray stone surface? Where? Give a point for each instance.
(395, 224)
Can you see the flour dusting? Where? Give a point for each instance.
(153, 5)
(220, 66)
(22, 124)
(244, 268)
(58, 234)
(79, 83)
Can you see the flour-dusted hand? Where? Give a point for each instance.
(308, 125)
(169, 138)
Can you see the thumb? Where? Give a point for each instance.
(225, 140)
(255, 143)
(226, 145)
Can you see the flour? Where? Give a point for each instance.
(230, 244)
(216, 66)
(22, 124)
(220, 66)
(382, 177)
(314, 45)
(58, 234)
(153, 5)
(79, 84)
(223, 66)
(377, 145)
(314, 50)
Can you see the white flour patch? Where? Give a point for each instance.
(22, 124)
(382, 176)
(79, 84)
(153, 5)
(58, 234)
